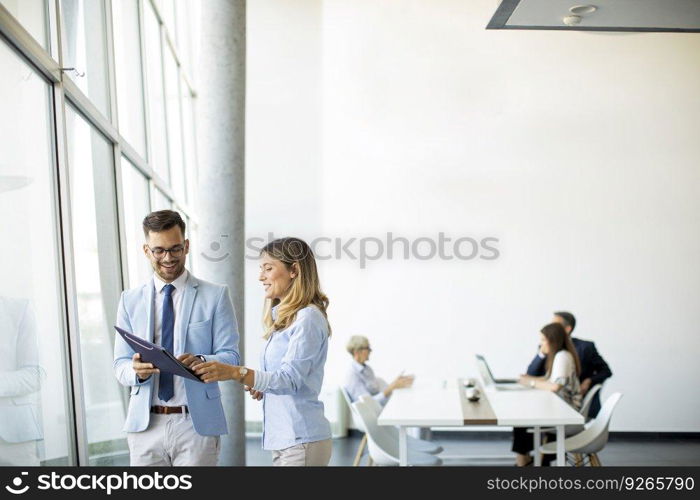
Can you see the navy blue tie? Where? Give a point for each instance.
(167, 326)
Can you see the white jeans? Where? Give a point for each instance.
(316, 454)
(172, 440)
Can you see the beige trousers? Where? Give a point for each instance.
(316, 454)
(172, 440)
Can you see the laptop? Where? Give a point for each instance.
(489, 379)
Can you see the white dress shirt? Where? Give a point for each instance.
(179, 396)
(291, 376)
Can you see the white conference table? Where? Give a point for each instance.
(447, 406)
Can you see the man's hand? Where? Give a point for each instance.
(189, 360)
(585, 386)
(143, 370)
(256, 395)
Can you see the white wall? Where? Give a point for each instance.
(283, 140)
(578, 151)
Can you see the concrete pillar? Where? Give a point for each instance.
(221, 194)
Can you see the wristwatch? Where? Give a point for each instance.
(242, 372)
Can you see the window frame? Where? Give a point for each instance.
(63, 92)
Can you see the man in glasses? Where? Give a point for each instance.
(173, 420)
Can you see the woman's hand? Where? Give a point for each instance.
(525, 380)
(189, 360)
(402, 381)
(585, 386)
(256, 395)
(213, 371)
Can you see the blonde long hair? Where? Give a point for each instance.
(305, 289)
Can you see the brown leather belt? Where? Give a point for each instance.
(167, 410)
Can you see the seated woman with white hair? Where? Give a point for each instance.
(361, 379)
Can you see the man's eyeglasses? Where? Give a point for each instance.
(175, 251)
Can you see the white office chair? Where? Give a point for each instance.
(572, 430)
(588, 400)
(593, 439)
(413, 443)
(384, 450)
(358, 422)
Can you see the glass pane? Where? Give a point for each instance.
(188, 15)
(184, 43)
(34, 422)
(155, 96)
(160, 201)
(192, 232)
(85, 48)
(127, 55)
(136, 206)
(98, 284)
(32, 15)
(167, 10)
(172, 99)
(189, 141)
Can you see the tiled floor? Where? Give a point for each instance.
(632, 451)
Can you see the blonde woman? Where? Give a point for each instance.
(291, 374)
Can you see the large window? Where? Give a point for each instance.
(35, 422)
(156, 93)
(189, 143)
(87, 153)
(85, 49)
(172, 99)
(98, 282)
(159, 200)
(33, 15)
(129, 74)
(136, 205)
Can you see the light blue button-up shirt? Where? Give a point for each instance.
(362, 380)
(290, 378)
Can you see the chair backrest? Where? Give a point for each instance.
(595, 437)
(353, 412)
(382, 449)
(346, 396)
(389, 430)
(588, 399)
(373, 404)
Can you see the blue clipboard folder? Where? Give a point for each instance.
(155, 354)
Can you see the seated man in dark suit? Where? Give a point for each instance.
(594, 369)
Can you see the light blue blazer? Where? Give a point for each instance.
(208, 324)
